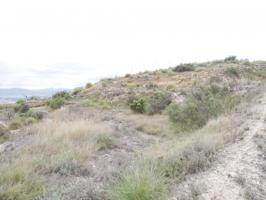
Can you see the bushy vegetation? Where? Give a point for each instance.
(3, 133)
(21, 106)
(158, 102)
(58, 99)
(96, 102)
(151, 104)
(77, 90)
(88, 85)
(232, 72)
(142, 184)
(18, 183)
(61, 94)
(138, 105)
(56, 103)
(191, 159)
(184, 68)
(20, 121)
(204, 103)
(230, 59)
(105, 141)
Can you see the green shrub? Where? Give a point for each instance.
(184, 68)
(34, 114)
(21, 121)
(232, 72)
(21, 106)
(18, 183)
(29, 120)
(139, 184)
(158, 102)
(203, 104)
(138, 105)
(61, 94)
(77, 91)
(88, 85)
(230, 59)
(56, 103)
(105, 141)
(3, 133)
(193, 158)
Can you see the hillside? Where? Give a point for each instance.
(194, 131)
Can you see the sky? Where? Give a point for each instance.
(66, 43)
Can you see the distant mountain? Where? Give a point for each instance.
(16, 93)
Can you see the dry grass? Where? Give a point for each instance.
(60, 145)
(153, 125)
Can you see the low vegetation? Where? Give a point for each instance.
(204, 103)
(232, 72)
(21, 106)
(56, 103)
(184, 68)
(230, 59)
(24, 119)
(105, 141)
(176, 129)
(152, 104)
(137, 105)
(88, 85)
(58, 100)
(76, 91)
(139, 183)
(3, 133)
(18, 182)
(158, 102)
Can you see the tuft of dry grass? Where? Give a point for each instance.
(153, 124)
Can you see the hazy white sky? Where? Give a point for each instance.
(65, 43)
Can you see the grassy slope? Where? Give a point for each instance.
(79, 141)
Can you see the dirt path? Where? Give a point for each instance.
(240, 171)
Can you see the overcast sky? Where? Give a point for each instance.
(65, 43)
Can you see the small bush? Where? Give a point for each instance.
(232, 72)
(184, 68)
(105, 141)
(21, 121)
(56, 103)
(141, 184)
(61, 94)
(18, 183)
(3, 133)
(204, 103)
(128, 75)
(77, 91)
(230, 59)
(34, 114)
(88, 85)
(158, 102)
(21, 106)
(138, 105)
(29, 120)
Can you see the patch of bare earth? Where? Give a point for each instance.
(239, 172)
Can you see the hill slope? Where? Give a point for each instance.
(190, 132)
